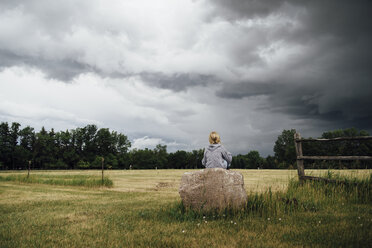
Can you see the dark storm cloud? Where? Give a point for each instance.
(63, 70)
(247, 89)
(335, 72)
(303, 105)
(233, 9)
(176, 82)
(344, 104)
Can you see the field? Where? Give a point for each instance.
(142, 209)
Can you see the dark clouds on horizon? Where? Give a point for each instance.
(308, 60)
(335, 76)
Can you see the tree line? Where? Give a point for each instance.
(83, 148)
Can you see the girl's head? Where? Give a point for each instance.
(214, 138)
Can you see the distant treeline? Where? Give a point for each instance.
(83, 148)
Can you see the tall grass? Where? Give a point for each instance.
(341, 189)
(308, 196)
(66, 180)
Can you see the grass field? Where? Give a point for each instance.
(142, 209)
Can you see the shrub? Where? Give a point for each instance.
(83, 164)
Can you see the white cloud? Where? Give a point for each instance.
(151, 143)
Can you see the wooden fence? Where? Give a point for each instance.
(300, 157)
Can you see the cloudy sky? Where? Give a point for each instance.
(171, 71)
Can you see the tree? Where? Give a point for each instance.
(347, 148)
(5, 145)
(67, 151)
(14, 132)
(26, 146)
(284, 148)
(239, 162)
(254, 160)
(78, 141)
(45, 150)
(89, 142)
(270, 163)
(179, 160)
(197, 156)
(122, 143)
(161, 156)
(53, 149)
(142, 159)
(105, 142)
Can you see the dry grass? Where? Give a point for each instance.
(168, 181)
(141, 210)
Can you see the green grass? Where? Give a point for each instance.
(66, 180)
(143, 209)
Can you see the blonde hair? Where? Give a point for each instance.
(214, 138)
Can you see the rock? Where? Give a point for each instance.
(213, 189)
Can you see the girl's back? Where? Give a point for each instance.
(215, 154)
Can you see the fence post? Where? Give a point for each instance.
(29, 167)
(103, 159)
(300, 162)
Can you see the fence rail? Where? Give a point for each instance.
(336, 139)
(335, 157)
(300, 157)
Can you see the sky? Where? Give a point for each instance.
(170, 72)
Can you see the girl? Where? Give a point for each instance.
(215, 154)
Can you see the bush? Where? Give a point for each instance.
(97, 163)
(83, 164)
(110, 162)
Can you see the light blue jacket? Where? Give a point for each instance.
(215, 155)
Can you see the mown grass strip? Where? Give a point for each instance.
(66, 180)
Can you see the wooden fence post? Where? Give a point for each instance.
(300, 161)
(103, 159)
(29, 167)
